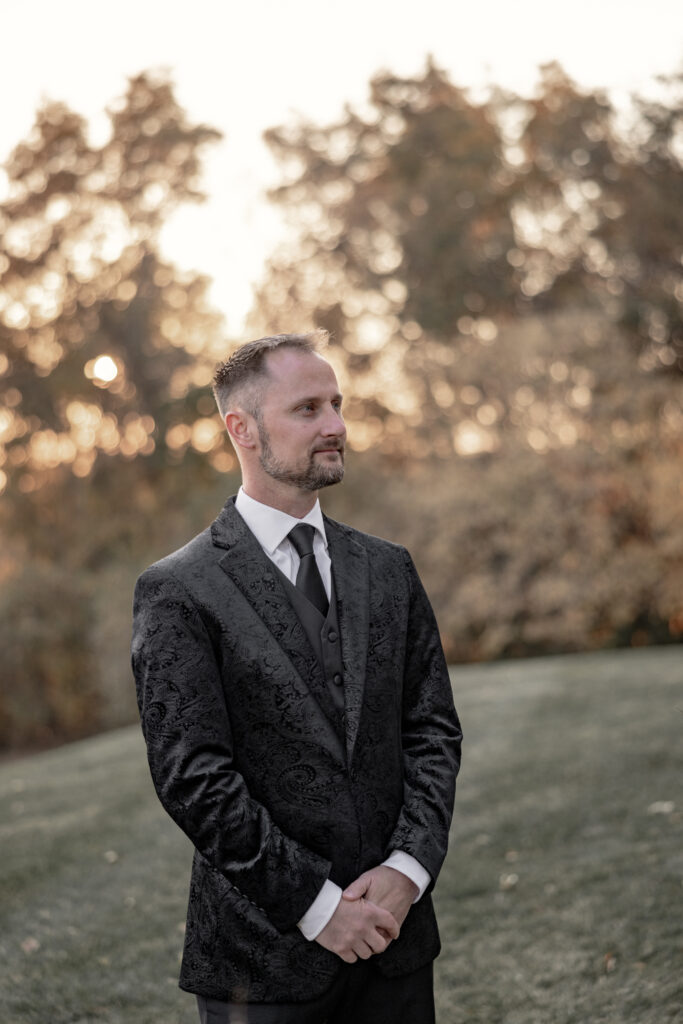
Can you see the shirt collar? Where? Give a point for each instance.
(270, 525)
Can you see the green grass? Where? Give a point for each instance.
(560, 903)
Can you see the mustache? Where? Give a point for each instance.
(337, 446)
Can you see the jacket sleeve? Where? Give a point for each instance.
(431, 738)
(190, 751)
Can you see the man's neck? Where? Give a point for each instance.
(292, 501)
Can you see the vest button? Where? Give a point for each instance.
(332, 636)
(337, 679)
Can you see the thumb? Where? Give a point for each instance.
(357, 888)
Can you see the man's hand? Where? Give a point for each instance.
(387, 888)
(358, 929)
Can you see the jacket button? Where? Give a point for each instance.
(337, 679)
(332, 636)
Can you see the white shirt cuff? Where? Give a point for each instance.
(407, 865)
(326, 902)
(321, 910)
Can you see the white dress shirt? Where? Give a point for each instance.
(271, 527)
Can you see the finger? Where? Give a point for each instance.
(378, 941)
(348, 956)
(387, 922)
(363, 950)
(357, 888)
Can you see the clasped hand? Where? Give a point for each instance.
(369, 915)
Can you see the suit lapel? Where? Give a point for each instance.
(352, 583)
(252, 572)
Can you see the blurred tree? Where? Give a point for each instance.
(424, 226)
(563, 532)
(603, 211)
(103, 345)
(105, 354)
(501, 278)
(49, 668)
(645, 240)
(403, 226)
(484, 266)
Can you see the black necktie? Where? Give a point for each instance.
(308, 578)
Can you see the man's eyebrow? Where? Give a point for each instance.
(316, 398)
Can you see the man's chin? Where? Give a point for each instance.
(334, 475)
(328, 479)
(336, 479)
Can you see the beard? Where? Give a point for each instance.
(310, 474)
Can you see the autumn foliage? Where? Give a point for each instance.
(502, 280)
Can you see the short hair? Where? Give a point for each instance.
(246, 368)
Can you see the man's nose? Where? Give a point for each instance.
(333, 424)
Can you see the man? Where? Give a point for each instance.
(299, 725)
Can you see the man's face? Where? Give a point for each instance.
(301, 430)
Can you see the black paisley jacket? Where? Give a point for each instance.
(246, 759)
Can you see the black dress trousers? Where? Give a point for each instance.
(360, 995)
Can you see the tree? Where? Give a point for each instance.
(403, 228)
(485, 268)
(603, 214)
(101, 341)
(425, 226)
(105, 353)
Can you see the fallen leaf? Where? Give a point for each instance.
(609, 963)
(661, 807)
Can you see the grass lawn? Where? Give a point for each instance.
(561, 901)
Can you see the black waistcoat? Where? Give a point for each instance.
(323, 634)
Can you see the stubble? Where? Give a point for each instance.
(309, 475)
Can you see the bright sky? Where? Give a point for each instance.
(243, 67)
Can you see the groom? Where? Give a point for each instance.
(299, 724)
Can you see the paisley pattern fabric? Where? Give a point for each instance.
(245, 756)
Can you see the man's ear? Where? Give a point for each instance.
(241, 428)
